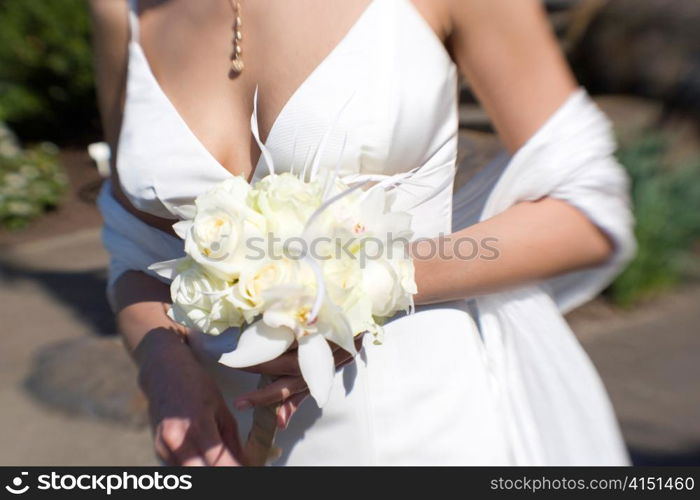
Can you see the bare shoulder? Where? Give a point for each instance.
(109, 13)
(110, 30)
(508, 53)
(110, 34)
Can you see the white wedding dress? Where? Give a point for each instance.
(517, 388)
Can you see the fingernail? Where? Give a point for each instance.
(287, 417)
(282, 414)
(243, 404)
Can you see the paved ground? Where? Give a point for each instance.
(650, 363)
(43, 300)
(51, 292)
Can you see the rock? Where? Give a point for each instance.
(89, 376)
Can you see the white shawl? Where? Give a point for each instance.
(552, 392)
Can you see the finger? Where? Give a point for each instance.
(289, 408)
(175, 437)
(277, 391)
(210, 444)
(286, 364)
(163, 452)
(228, 428)
(216, 455)
(220, 456)
(188, 455)
(193, 461)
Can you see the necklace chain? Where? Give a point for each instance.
(237, 54)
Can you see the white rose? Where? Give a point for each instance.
(235, 185)
(389, 284)
(287, 202)
(249, 291)
(199, 301)
(218, 236)
(341, 276)
(407, 273)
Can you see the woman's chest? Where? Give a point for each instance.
(382, 102)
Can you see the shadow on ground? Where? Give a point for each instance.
(82, 292)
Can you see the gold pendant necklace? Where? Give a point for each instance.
(237, 55)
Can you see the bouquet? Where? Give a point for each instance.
(290, 260)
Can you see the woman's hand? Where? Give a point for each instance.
(289, 387)
(191, 423)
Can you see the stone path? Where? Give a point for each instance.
(51, 292)
(651, 368)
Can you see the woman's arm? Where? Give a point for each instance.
(512, 61)
(191, 423)
(526, 243)
(110, 35)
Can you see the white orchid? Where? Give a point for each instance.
(288, 318)
(368, 214)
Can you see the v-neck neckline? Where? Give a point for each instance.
(324, 62)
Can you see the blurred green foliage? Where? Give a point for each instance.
(31, 182)
(46, 79)
(666, 200)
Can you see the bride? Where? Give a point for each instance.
(486, 371)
